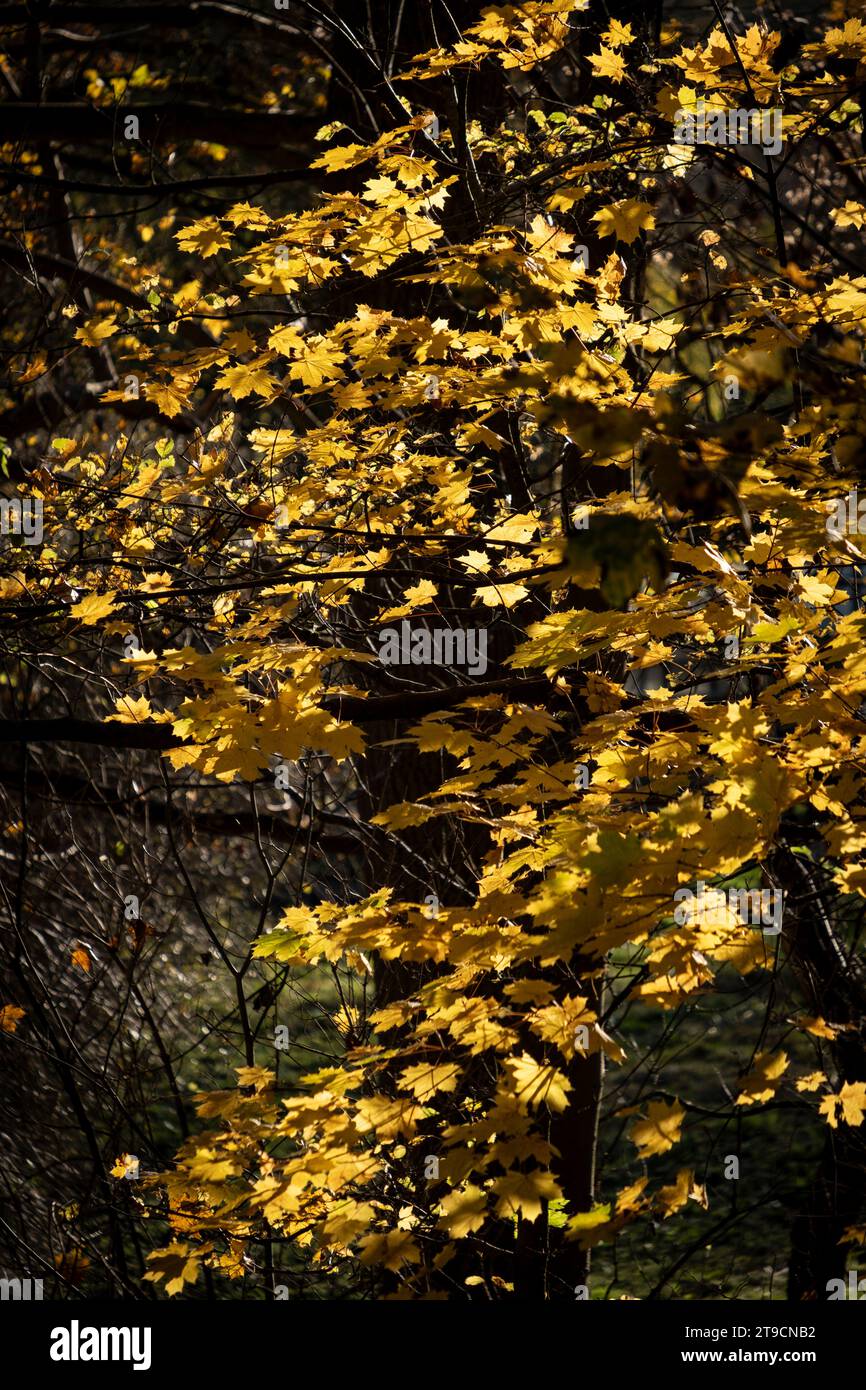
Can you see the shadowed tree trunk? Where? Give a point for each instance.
(834, 987)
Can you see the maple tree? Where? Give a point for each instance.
(502, 357)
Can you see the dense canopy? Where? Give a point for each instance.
(434, 760)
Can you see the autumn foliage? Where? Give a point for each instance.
(503, 357)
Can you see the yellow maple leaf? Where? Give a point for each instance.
(170, 397)
(566, 196)
(343, 157)
(426, 1080)
(34, 369)
(246, 215)
(631, 1198)
(850, 214)
(246, 380)
(156, 581)
(502, 595)
(391, 1249)
(618, 35)
(348, 1220)
(660, 1130)
(812, 1081)
(463, 1211)
(849, 1105)
(382, 190)
(849, 40)
(586, 1226)
(763, 1080)
(625, 219)
(286, 340)
(206, 237)
(672, 1198)
(419, 594)
(819, 1027)
(522, 1194)
(608, 64)
(95, 331)
(93, 608)
(538, 1084)
(320, 363)
(130, 711)
(403, 813)
(177, 1264)
(476, 561)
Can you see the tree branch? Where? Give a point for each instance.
(67, 789)
(262, 179)
(356, 709)
(46, 263)
(27, 122)
(140, 16)
(46, 409)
